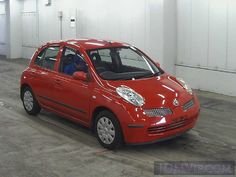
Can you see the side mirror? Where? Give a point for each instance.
(158, 64)
(80, 75)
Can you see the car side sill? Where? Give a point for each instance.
(62, 104)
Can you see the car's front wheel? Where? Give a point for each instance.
(29, 101)
(108, 130)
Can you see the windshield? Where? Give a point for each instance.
(122, 63)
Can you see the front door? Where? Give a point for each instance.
(72, 96)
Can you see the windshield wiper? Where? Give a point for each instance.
(148, 75)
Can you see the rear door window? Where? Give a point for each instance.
(47, 58)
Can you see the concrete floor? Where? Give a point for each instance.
(49, 146)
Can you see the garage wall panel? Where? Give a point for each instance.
(155, 31)
(30, 6)
(30, 34)
(210, 80)
(49, 24)
(3, 34)
(169, 36)
(184, 31)
(68, 32)
(2, 29)
(2, 8)
(211, 55)
(113, 20)
(29, 29)
(199, 41)
(231, 62)
(217, 33)
(180, 31)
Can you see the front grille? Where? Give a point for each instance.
(158, 112)
(174, 125)
(188, 105)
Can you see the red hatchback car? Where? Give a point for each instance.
(111, 87)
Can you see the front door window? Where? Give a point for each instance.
(72, 61)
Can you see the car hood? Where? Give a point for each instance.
(160, 91)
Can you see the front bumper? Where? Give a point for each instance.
(160, 139)
(150, 130)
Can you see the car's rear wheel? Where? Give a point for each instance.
(29, 101)
(108, 130)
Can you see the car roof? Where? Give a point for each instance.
(90, 44)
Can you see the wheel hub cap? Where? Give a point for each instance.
(28, 100)
(106, 130)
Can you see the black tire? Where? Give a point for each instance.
(35, 106)
(118, 137)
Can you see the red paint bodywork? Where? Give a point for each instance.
(78, 100)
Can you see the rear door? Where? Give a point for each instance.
(43, 74)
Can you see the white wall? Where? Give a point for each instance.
(2, 28)
(169, 36)
(136, 22)
(30, 31)
(154, 29)
(15, 29)
(206, 54)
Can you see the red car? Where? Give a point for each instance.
(113, 88)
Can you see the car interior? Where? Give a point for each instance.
(65, 61)
(47, 58)
(70, 57)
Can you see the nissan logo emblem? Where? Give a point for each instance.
(176, 102)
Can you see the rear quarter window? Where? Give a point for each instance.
(47, 57)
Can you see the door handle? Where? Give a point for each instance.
(58, 84)
(58, 81)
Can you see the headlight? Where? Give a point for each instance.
(185, 85)
(130, 95)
